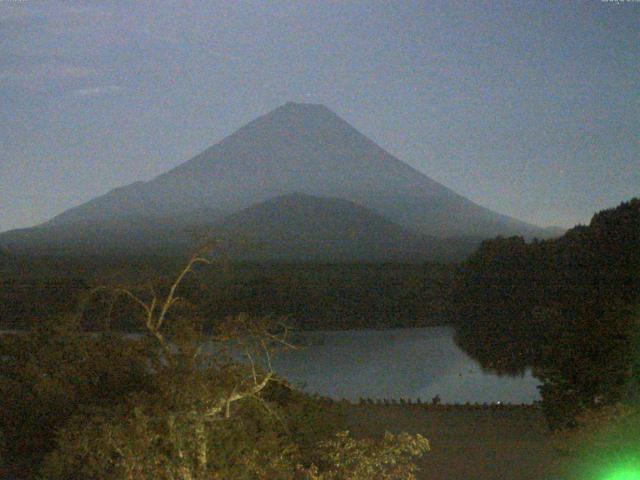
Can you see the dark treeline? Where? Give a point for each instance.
(566, 307)
(309, 295)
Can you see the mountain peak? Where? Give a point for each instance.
(305, 148)
(306, 111)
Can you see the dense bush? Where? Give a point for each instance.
(50, 374)
(345, 458)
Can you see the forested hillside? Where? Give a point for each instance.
(567, 307)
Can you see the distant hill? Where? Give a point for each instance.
(295, 148)
(298, 227)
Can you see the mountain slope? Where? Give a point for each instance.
(302, 148)
(132, 234)
(292, 227)
(304, 227)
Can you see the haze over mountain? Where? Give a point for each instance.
(302, 148)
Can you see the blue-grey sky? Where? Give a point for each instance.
(529, 108)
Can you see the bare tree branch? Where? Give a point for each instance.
(224, 403)
(170, 300)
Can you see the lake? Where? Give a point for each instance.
(398, 363)
(407, 363)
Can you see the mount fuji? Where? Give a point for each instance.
(304, 149)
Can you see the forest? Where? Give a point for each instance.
(309, 295)
(567, 307)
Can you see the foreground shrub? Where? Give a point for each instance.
(51, 373)
(345, 458)
(143, 443)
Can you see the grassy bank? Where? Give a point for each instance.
(467, 443)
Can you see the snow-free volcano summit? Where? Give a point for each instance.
(296, 148)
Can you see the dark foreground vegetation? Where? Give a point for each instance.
(78, 405)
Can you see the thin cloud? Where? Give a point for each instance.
(97, 91)
(46, 71)
(42, 77)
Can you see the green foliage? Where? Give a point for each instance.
(346, 458)
(3, 470)
(587, 368)
(564, 307)
(49, 374)
(494, 300)
(151, 440)
(25, 298)
(175, 431)
(315, 295)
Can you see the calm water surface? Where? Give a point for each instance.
(407, 362)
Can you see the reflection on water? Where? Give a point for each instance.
(406, 363)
